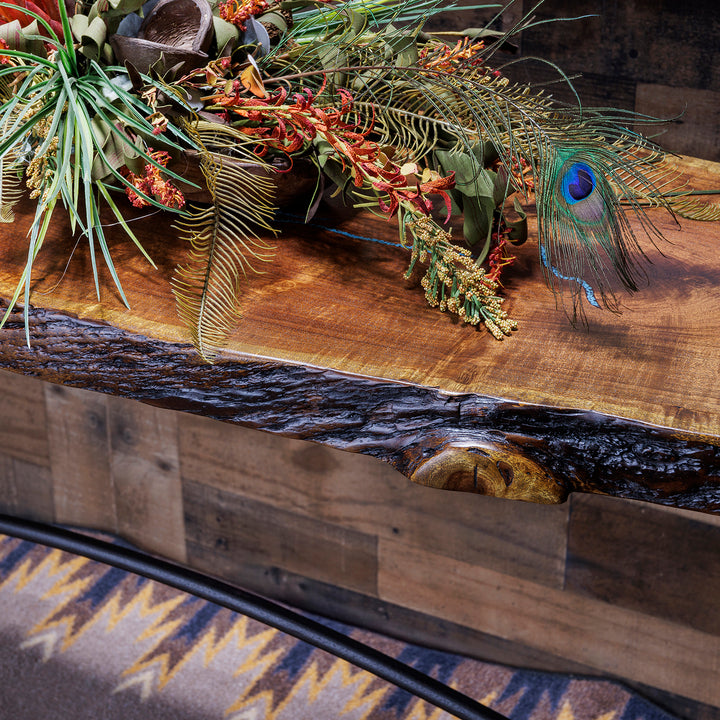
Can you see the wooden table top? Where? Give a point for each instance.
(334, 346)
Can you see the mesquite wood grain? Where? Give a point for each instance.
(333, 347)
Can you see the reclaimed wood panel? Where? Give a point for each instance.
(222, 527)
(656, 58)
(671, 569)
(346, 536)
(364, 494)
(669, 43)
(146, 477)
(26, 489)
(77, 431)
(601, 635)
(697, 128)
(659, 59)
(8, 493)
(23, 430)
(32, 490)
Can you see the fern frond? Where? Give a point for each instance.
(11, 189)
(224, 246)
(672, 191)
(693, 208)
(11, 170)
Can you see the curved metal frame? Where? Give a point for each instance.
(257, 608)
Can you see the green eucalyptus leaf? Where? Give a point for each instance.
(487, 33)
(501, 187)
(474, 192)
(90, 34)
(226, 34)
(332, 57)
(482, 33)
(400, 46)
(323, 151)
(408, 57)
(96, 33)
(519, 228)
(102, 137)
(113, 11)
(295, 4)
(79, 24)
(478, 220)
(489, 154)
(107, 54)
(117, 151)
(112, 8)
(471, 179)
(358, 21)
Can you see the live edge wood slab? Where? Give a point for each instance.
(333, 346)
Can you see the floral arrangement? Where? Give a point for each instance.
(103, 102)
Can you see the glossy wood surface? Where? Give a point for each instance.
(334, 306)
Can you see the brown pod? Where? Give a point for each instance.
(179, 31)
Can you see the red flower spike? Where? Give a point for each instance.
(153, 184)
(497, 260)
(287, 128)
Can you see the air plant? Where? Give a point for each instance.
(70, 125)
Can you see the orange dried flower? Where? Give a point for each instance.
(238, 11)
(154, 185)
(288, 127)
(464, 53)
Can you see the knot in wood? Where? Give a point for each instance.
(491, 469)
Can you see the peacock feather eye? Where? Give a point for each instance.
(578, 182)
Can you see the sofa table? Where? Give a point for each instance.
(334, 347)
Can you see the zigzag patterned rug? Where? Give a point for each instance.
(80, 640)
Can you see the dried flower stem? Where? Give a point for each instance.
(453, 280)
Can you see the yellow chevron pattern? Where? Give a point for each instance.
(151, 644)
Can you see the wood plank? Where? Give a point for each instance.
(698, 113)
(361, 493)
(394, 620)
(224, 529)
(146, 477)
(8, 494)
(26, 489)
(664, 50)
(23, 425)
(610, 639)
(670, 44)
(644, 559)
(80, 458)
(34, 495)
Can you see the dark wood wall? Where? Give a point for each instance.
(597, 586)
(656, 57)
